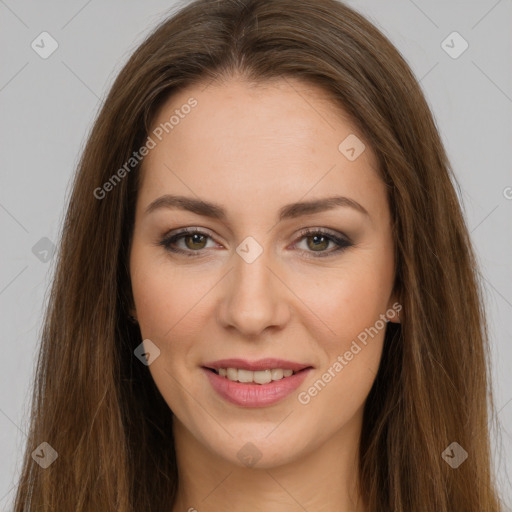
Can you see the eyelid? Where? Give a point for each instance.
(341, 240)
(325, 231)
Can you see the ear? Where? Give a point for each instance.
(133, 315)
(394, 313)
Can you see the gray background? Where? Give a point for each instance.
(48, 106)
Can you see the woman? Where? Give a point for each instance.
(266, 295)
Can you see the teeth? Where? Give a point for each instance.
(243, 375)
(277, 373)
(259, 377)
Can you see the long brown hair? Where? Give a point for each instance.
(97, 405)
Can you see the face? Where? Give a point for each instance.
(258, 278)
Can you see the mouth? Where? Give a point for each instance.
(261, 377)
(263, 371)
(255, 388)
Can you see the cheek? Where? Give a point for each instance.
(350, 303)
(334, 397)
(162, 301)
(351, 298)
(171, 301)
(153, 299)
(169, 307)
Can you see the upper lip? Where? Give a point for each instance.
(260, 364)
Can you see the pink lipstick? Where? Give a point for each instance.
(253, 394)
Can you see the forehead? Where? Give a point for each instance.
(255, 142)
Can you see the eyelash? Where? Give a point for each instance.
(342, 243)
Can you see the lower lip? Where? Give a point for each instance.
(255, 395)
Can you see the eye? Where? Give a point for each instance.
(193, 238)
(317, 241)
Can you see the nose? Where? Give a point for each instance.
(254, 297)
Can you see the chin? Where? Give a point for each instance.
(264, 448)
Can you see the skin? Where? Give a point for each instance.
(253, 149)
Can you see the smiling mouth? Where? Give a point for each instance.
(255, 377)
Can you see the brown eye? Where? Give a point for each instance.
(318, 240)
(194, 241)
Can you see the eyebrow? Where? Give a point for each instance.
(289, 211)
